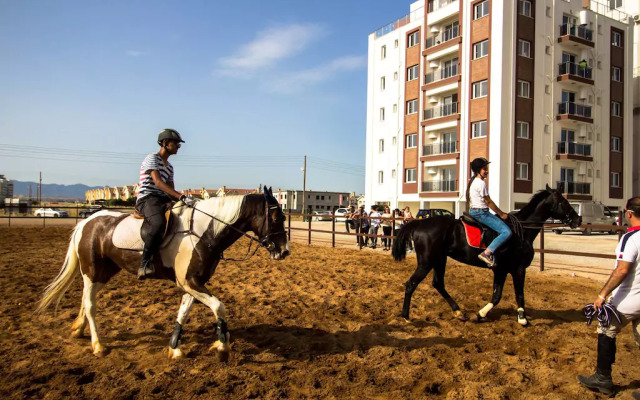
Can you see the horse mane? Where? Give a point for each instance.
(536, 199)
(225, 208)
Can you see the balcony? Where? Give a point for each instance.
(574, 151)
(579, 188)
(440, 148)
(439, 186)
(435, 5)
(572, 71)
(441, 111)
(445, 36)
(442, 73)
(574, 111)
(576, 34)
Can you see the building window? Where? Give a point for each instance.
(616, 39)
(395, 44)
(383, 83)
(615, 4)
(616, 74)
(481, 9)
(616, 109)
(393, 174)
(414, 39)
(522, 171)
(411, 141)
(381, 146)
(615, 179)
(410, 175)
(395, 108)
(412, 73)
(393, 141)
(522, 130)
(524, 8)
(480, 49)
(383, 52)
(395, 76)
(524, 88)
(412, 106)
(478, 129)
(382, 114)
(615, 144)
(479, 89)
(524, 48)
(380, 177)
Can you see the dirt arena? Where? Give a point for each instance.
(324, 323)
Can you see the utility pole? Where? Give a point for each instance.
(304, 186)
(40, 190)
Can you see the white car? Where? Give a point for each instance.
(50, 212)
(340, 212)
(321, 215)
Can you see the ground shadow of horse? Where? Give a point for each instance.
(297, 343)
(556, 317)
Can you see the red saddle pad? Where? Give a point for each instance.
(474, 236)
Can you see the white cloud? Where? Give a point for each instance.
(135, 53)
(269, 47)
(297, 81)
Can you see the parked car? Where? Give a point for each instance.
(592, 213)
(433, 212)
(84, 213)
(322, 215)
(340, 212)
(50, 212)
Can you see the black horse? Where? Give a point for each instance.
(437, 238)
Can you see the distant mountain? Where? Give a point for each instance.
(50, 190)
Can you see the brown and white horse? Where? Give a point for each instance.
(189, 256)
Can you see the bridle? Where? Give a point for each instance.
(567, 215)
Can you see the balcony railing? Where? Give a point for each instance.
(440, 148)
(569, 68)
(434, 5)
(439, 186)
(577, 30)
(571, 108)
(445, 36)
(442, 73)
(574, 187)
(575, 149)
(441, 111)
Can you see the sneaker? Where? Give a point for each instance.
(487, 258)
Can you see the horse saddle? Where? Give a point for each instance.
(127, 233)
(477, 235)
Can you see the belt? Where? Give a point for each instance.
(476, 208)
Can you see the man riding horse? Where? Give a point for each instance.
(156, 190)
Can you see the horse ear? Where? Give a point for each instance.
(548, 188)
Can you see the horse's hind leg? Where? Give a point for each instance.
(518, 286)
(411, 285)
(499, 277)
(89, 299)
(77, 329)
(183, 313)
(438, 284)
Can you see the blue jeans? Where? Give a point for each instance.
(494, 222)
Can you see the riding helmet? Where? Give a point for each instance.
(478, 163)
(171, 134)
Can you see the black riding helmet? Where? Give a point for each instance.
(477, 164)
(170, 134)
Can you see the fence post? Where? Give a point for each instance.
(289, 224)
(310, 218)
(542, 248)
(333, 231)
(76, 212)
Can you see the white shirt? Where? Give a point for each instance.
(626, 297)
(477, 192)
(374, 218)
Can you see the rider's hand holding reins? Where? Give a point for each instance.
(188, 201)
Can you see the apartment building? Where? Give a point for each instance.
(291, 200)
(6, 189)
(541, 89)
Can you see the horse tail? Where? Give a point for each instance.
(399, 250)
(55, 290)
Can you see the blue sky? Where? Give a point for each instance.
(252, 86)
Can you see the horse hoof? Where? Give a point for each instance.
(461, 316)
(479, 319)
(524, 323)
(99, 350)
(222, 350)
(223, 356)
(175, 354)
(77, 333)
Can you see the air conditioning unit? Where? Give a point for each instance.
(432, 135)
(582, 168)
(434, 64)
(435, 29)
(432, 171)
(582, 133)
(433, 99)
(636, 18)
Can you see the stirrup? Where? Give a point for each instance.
(488, 259)
(145, 272)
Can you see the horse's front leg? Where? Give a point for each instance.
(518, 286)
(438, 284)
(201, 293)
(499, 277)
(183, 313)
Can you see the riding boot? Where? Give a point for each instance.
(146, 269)
(601, 380)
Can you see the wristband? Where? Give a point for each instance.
(602, 297)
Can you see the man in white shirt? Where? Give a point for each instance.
(375, 224)
(624, 286)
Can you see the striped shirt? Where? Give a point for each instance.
(153, 162)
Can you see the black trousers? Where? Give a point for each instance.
(152, 208)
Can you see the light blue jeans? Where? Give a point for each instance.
(494, 222)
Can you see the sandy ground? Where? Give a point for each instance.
(324, 323)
